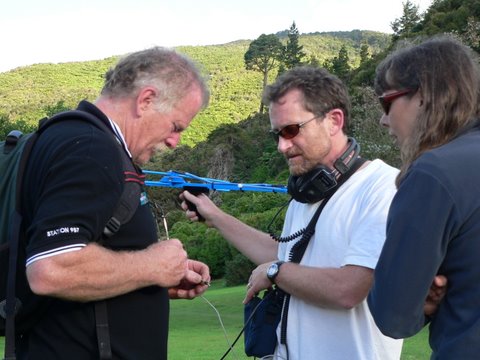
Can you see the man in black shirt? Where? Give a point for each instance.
(73, 182)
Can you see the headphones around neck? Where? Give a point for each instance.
(322, 181)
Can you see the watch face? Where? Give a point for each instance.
(272, 270)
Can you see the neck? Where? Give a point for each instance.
(339, 146)
(116, 110)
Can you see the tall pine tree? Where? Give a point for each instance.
(293, 54)
(408, 23)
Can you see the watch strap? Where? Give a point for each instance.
(273, 276)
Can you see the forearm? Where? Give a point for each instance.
(338, 288)
(258, 246)
(96, 273)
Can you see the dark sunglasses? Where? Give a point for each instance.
(387, 100)
(290, 131)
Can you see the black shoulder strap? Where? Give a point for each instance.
(130, 198)
(298, 250)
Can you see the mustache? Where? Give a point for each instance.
(291, 153)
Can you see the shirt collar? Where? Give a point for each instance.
(118, 133)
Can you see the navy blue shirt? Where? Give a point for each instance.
(73, 182)
(433, 227)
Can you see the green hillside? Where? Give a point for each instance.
(29, 92)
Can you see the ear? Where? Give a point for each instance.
(146, 99)
(335, 121)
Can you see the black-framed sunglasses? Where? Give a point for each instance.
(387, 100)
(290, 131)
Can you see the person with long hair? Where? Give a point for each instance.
(430, 94)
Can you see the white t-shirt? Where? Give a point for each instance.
(350, 231)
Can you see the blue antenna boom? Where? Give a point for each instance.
(178, 179)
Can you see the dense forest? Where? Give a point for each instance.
(228, 140)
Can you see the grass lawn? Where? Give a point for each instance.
(196, 333)
(196, 324)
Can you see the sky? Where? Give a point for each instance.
(55, 31)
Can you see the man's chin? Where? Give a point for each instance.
(297, 171)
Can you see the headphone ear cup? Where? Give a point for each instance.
(312, 186)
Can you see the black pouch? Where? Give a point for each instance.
(261, 318)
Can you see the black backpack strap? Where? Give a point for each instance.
(11, 305)
(103, 332)
(123, 212)
(130, 198)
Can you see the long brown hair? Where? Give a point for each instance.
(447, 75)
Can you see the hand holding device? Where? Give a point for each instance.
(195, 190)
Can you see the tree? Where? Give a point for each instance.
(408, 23)
(339, 65)
(364, 54)
(293, 54)
(263, 55)
(458, 17)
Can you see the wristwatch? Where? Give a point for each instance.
(273, 270)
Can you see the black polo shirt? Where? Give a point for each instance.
(73, 182)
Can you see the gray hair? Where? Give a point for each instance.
(171, 73)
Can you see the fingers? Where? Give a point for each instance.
(436, 293)
(167, 262)
(187, 197)
(249, 295)
(257, 282)
(188, 290)
(190, 206)
(184, 278)
(440, 280)
(193, 203)
(195, 282)
(193, 278)
(200, 268)
(176, 293)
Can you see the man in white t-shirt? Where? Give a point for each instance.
(328, 317)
